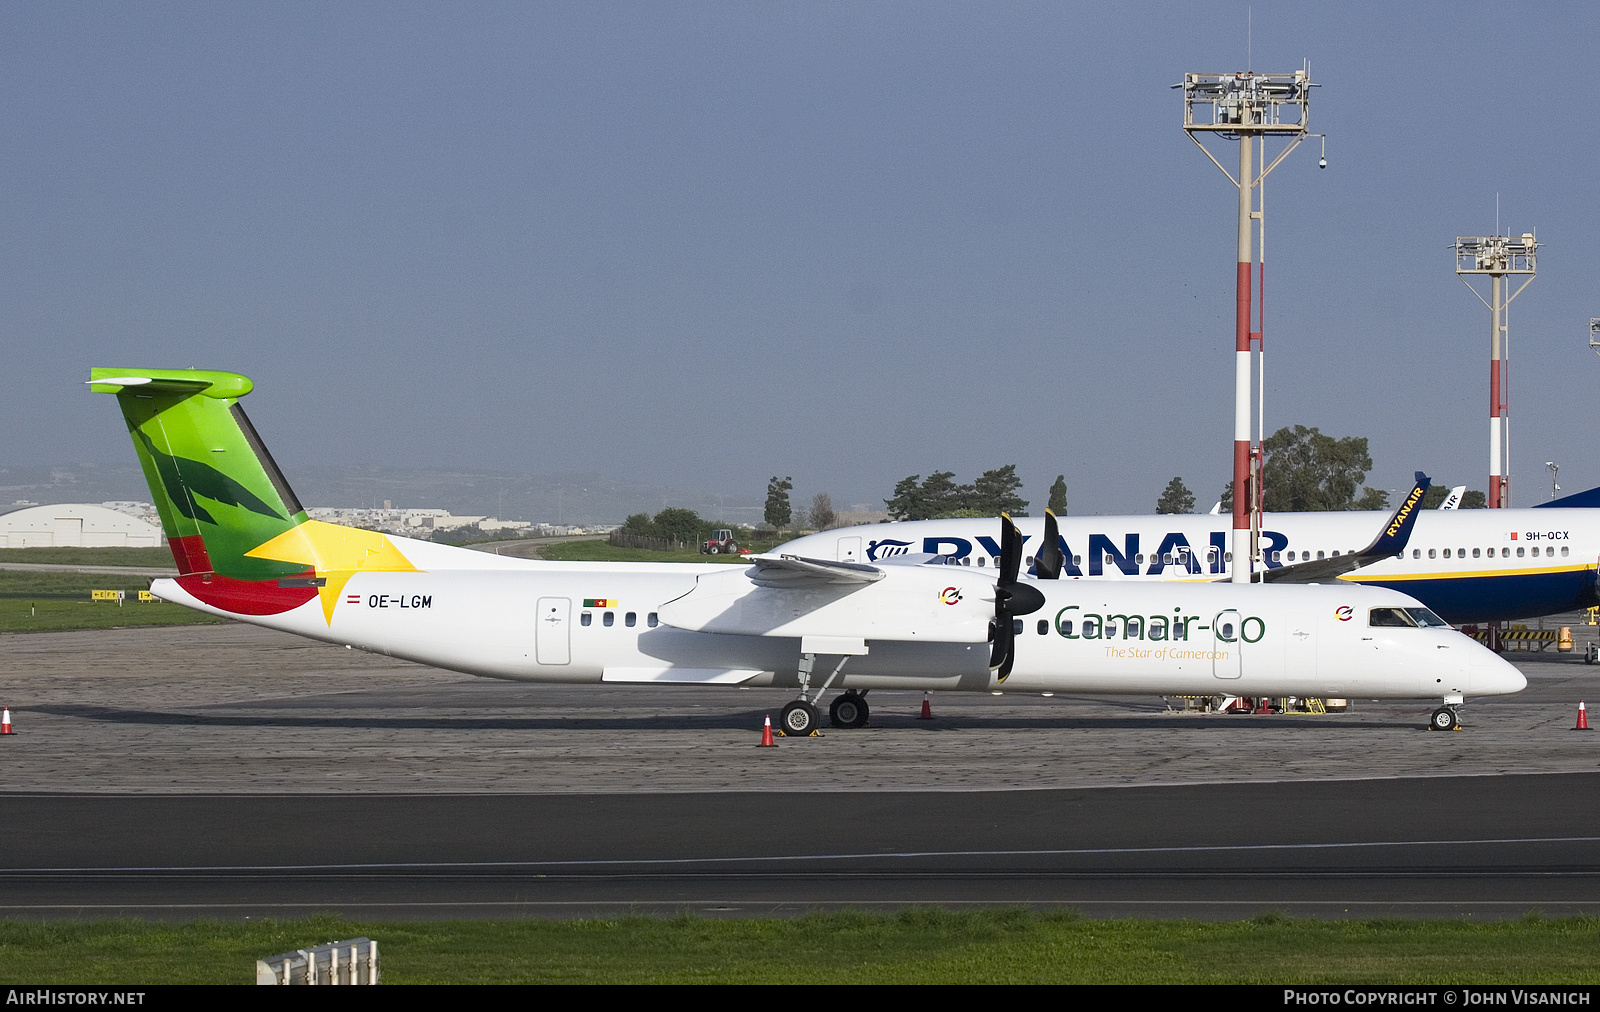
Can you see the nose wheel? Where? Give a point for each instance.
(798, 719)
(1444, 719)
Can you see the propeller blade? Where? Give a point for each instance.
(1011, 599)
(1049, 559)
(1010, 550)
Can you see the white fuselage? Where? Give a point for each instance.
(508, 618)
(1467, 565)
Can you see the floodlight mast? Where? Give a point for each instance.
(1498, 256)
(1247, 107)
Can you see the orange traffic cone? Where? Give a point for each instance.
(5, 721)
(927, 710)
(1583, 718)
(766, 734)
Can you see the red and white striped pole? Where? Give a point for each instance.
(1241, 371)
(1497, 406)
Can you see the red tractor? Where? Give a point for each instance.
(720, 543)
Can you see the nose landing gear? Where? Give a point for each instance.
(1444, 719)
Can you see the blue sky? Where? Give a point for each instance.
(699, 244)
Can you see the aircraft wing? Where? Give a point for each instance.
(792, 571)
(1391, 541)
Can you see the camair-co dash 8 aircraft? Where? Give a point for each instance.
(246, 550)
(1466, 565)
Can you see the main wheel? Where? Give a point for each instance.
(798, 719)
(1444, 719)
(848, 711)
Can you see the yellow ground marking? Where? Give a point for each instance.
(336, 553)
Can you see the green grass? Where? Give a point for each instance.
(90, 556)
(921, 946)
(603, 551)
(38, 602)
(20, 615)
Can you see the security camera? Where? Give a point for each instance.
(1322, 163)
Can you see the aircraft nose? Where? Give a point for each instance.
(1496, 676)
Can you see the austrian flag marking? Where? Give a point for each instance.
(352, 599)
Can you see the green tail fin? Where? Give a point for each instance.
(215, 485)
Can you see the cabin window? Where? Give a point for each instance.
(651, 620)
(1044, 627)
(1028, 561)
(1166, 559)
(1277, 556)
(1521, 551)
(981, 561)
(1138, 560)
(1563, 551)
(587, 618)
(1016, 627)
(1065, 628)
(1291, 556)
(968, 561)
(1447, 553)
(1336, 553)
(608, 619)
(630, 619)
(1226, 631)
(1077, 560)
(1416, 553)
(1505, 553)
(1433, 553)
(1230, 556)
(1319, 555)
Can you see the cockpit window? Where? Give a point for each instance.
(1390, 618)
(1427, 619)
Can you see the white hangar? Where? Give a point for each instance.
(74, 525)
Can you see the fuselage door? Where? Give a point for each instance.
(1227, 636)
(553, 637)
(849, 549)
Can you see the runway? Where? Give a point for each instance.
(1479, 847)
(228, 771)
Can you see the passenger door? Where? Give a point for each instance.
(1226, 639)
(553, 636)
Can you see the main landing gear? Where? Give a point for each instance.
(799, 718)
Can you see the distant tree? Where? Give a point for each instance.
(640, 524)
(1372, 499)
(822, 515)
(1435, 495)
(1176, 499)
(1473, 500)
(1058, 496)
(1306, 470)
(678, 524)
(940, 495)
(1226, 499)
(778, 512)
(995, 492)
(906, 503)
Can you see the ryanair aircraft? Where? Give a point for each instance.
(245, 549)
(1465, 565)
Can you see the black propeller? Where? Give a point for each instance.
(1011, 599)
(1049, 559)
